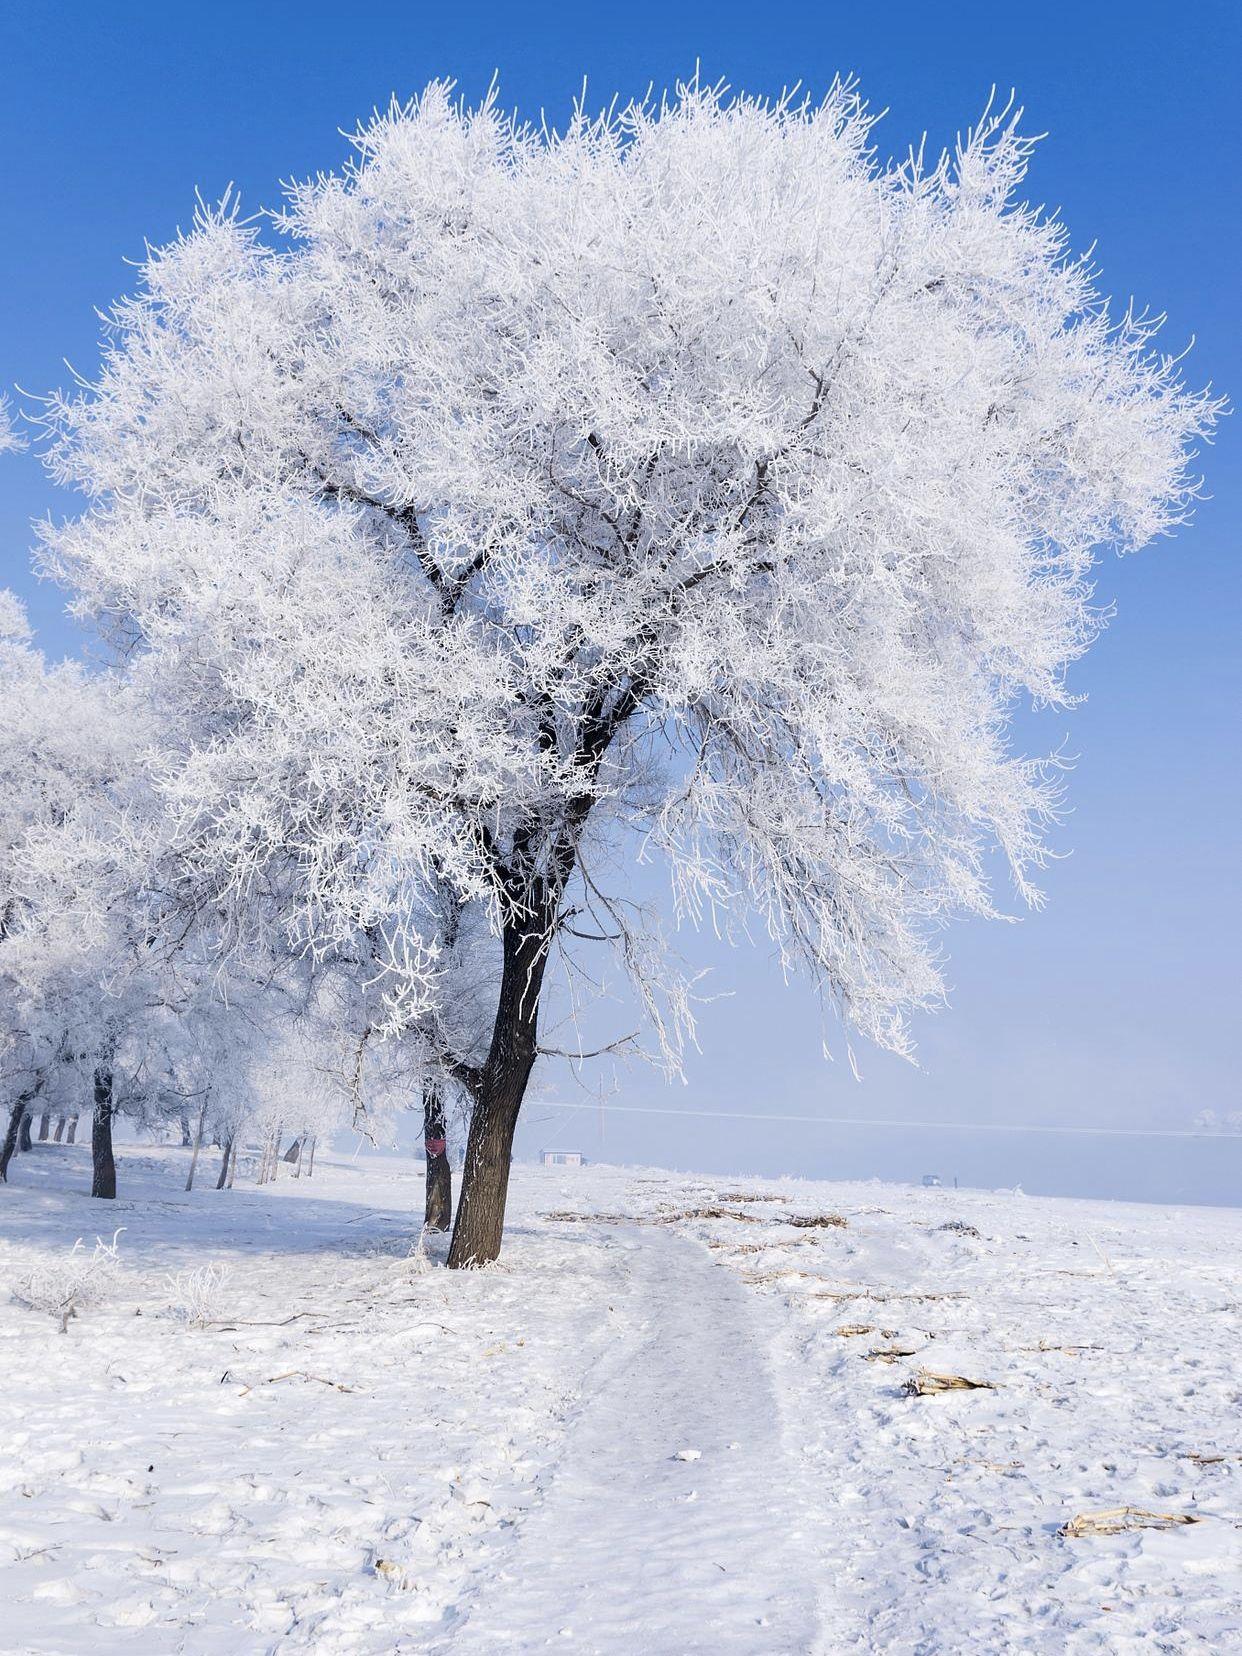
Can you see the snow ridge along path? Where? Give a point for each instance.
(672, 1504)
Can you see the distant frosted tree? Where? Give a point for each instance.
(68, 749)
(690, 471)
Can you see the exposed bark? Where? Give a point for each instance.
(16, 1116)
(501, 1089)
(438, 1211)
(539, 872)
(186, 1140)
(59, 1134)
(71, 1137)
(23, 1132)
(224, 1165)
(45, 1126)
(103, 1162)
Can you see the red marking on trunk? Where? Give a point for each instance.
(434, 1147)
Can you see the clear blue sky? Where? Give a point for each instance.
(1113, 1007)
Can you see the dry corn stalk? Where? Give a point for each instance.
(1071, 1350)
(928, 1382)
(1117, 1520)
(677, 1217)
(889, 1354)
(863, 1292)
(566, 1217)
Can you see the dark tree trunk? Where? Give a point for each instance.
(224, 1165)
(438, 1212)
(23, 1134)
(501, 1085)
(186, 1139)
(71, 1137)
(59, 1134)
(103, 1180)
(45, 1126)
(498, 1100)
(16, 1116)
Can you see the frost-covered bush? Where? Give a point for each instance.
(62, 1287)
(197, 1296)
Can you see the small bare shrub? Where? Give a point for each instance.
(419, 1261)
(196, 1296)
(63, 1287)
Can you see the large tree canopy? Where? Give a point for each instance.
(691, 469)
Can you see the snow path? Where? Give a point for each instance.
(626, 1534)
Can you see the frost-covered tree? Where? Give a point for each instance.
(68, 760)
(691, 471)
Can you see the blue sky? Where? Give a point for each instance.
(1114, 1006)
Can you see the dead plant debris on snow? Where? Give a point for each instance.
(929, 1382)
(1119, 1520)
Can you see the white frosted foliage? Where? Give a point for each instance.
(690, 471)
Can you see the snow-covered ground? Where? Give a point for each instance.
(653, 1428)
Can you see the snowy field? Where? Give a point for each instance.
(673, 1419)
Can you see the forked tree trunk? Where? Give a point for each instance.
(71, 1137)
(438, 1211)
(23, 1132)
(45, 1125)
(59, 1134)
(103, 1162)
(502, 1087)
(502, 1084)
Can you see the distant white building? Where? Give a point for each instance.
(931, 1179)
(562, 1158)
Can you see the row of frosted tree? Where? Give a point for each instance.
(688, 484)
